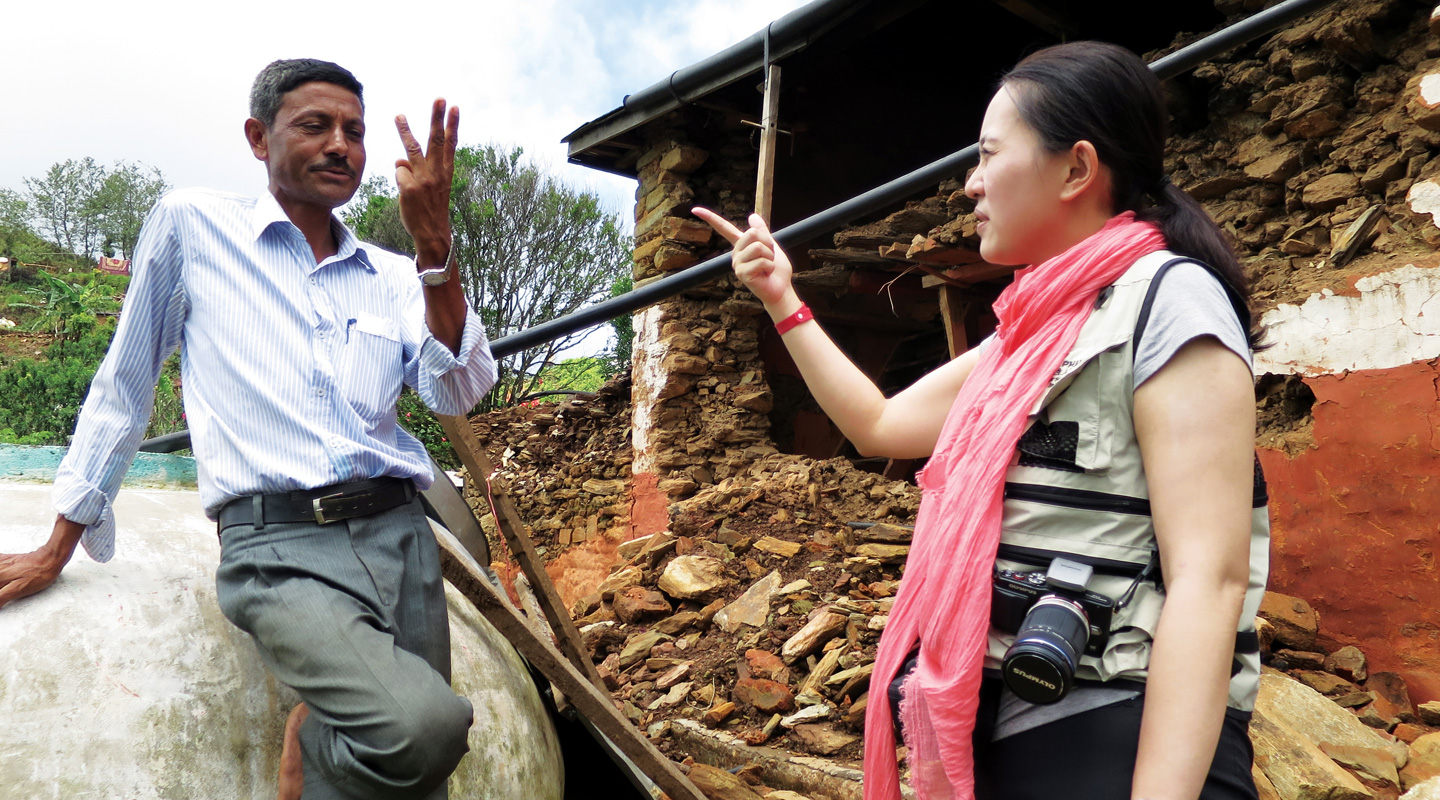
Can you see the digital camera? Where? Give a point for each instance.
(1055, 619)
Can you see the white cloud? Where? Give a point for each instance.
(166, 82)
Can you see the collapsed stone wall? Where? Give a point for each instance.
(1305, 133)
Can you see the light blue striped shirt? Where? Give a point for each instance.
(291, 370)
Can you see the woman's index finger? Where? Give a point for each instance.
(721, 225)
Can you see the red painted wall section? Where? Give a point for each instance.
(1356, 520)
(649, 507)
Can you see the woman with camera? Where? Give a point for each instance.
(1091, 470)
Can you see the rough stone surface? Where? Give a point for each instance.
(1295, 621)
(718, 784)
(693, 577)
(638, 603)
(1371, 765)
(765, 664)
(1349, 663)
(821, 628)
(1429, 713)
(766, 695)
(1283, 698)
(822, 740)
(1296, 766)
(751, 608)
(1392, 696)
(1424, 761)
(1332, 190)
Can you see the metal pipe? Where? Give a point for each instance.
(878, 198)
(1242, 32)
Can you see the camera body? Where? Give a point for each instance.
(1056, 619)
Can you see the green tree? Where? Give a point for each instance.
(89, 210)
(619, 358)
(530, 249)
(63, 204)
(374, 214)
(121, 203)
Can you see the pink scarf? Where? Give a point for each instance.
(944, 599)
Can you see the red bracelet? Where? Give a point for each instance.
(802, 314)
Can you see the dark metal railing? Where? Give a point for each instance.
(838, 216)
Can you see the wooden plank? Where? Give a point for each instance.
(769, 121)
(472, 455)
(591, 701)
(952, 314)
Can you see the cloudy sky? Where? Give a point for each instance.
(165, 83)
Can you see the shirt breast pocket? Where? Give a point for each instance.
(373, 366)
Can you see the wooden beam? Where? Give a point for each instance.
(769, 121)
(507, 519)
(952, 314)
(591, 701)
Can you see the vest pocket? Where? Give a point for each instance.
(1076, 428)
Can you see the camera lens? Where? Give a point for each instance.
(1040, 666)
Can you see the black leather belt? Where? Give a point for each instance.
(323, 505)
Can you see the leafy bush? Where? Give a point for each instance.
(420, 421)
(40, 400)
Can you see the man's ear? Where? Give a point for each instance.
(1085, 171)
(257, 135)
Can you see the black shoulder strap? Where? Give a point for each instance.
(1242, 311)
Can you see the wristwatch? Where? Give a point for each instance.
(435, 276)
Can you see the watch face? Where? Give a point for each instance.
(435, 277)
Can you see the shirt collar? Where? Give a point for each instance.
(268, 212)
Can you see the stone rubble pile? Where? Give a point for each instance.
(567, 464)
(759, 612)
(1325, 726)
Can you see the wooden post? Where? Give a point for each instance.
(507, 519)
(769, 128)
(590, 700)
(952, 314)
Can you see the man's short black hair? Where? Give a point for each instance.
(281, 76)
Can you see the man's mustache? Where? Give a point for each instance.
(336, 164)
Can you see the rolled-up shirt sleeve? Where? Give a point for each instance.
(449, 383)
(122, 393)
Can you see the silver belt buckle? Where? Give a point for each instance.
(320, 512)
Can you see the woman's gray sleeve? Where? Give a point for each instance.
(1190, 303)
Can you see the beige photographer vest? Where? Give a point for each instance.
(1079, 490)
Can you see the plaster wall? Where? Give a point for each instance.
(1354, 518)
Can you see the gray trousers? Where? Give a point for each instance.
(351, 615)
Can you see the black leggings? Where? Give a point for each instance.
(1091, 755)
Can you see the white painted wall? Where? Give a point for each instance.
(1394, 321)
(125, 681)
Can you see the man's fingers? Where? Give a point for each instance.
(452, 139)
(437, 128)
(407, 139)
(721, 225)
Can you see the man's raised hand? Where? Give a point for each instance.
(424, 177)
(759, 262)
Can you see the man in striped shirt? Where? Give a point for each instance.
(297, 340)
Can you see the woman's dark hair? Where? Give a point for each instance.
(1104, 94)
